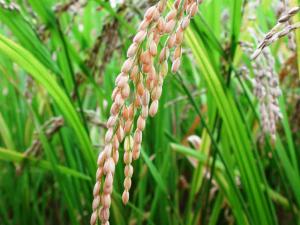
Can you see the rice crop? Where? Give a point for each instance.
(149, 112)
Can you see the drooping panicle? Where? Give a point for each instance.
(144, 69)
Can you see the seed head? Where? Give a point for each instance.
(144, 71)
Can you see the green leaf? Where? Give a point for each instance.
(236, 132)
(16, 157)
(155, 173)
(32, 65)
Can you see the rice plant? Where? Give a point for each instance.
(142, 112)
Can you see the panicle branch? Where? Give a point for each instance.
(266, 89)
(281, 29)
(136, 95)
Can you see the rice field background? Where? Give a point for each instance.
(222, 148)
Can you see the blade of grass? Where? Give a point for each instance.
(16, 157)
(236, 133)
(42, 75)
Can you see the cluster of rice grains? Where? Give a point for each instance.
(281, 29)
(265, 82)
(266, 88)
(137, 93)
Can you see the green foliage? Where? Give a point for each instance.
(230, 178)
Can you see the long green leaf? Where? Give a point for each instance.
(16, 157)
(26, 60)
